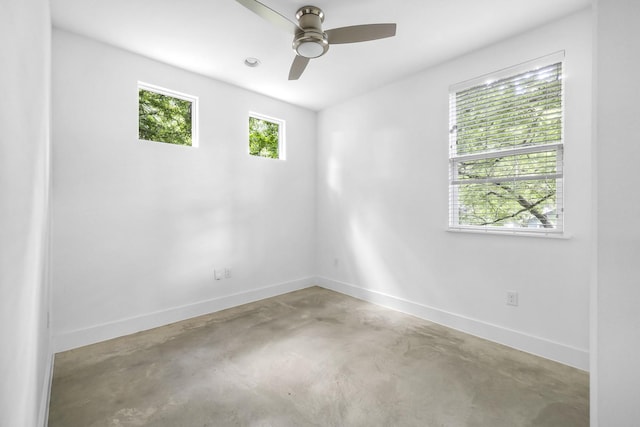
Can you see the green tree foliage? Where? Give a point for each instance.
(263, 138)
(520, 111)
(163, 118)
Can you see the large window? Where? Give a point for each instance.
(506, 147)
(166, 116)
(266, 136)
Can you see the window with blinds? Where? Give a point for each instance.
(506, 147)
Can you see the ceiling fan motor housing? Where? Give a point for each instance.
(312, 42)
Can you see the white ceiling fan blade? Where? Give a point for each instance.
(298, 66)
(360, 33)
(270, 15)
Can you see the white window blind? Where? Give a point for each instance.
(506, 149)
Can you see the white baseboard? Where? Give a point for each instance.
(558, 352)
(81, 337)
(43, 414)
(562, 353)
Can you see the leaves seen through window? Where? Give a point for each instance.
(264, 138)
(163, 118)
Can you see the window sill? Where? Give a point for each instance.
(514, 233)
(193, 145)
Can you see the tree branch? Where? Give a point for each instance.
(526, 206)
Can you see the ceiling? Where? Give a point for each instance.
(213, 38)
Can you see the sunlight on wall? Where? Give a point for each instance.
(385, 154)
(371, 268)
(334, 181)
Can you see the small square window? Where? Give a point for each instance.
(166, 116)
(266, 137)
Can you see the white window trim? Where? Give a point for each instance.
(195, 140)
(282, 152)
(489, 78)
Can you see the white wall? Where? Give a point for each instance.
(383, 204)
(139, 227)
(381, 193)
(617, 374)
(25, 355)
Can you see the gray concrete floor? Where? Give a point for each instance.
(311, 358)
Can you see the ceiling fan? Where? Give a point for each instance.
(309, 41)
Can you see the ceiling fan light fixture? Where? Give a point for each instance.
(311, 44)
(310, 49)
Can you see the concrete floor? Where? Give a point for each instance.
(311, 358)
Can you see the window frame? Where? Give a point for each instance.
(557, 147)
(193, 99)
(281, 134)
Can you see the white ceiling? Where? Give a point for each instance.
(213, 37)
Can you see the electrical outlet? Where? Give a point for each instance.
(512, 298)
(218, 274)
(227, 273)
